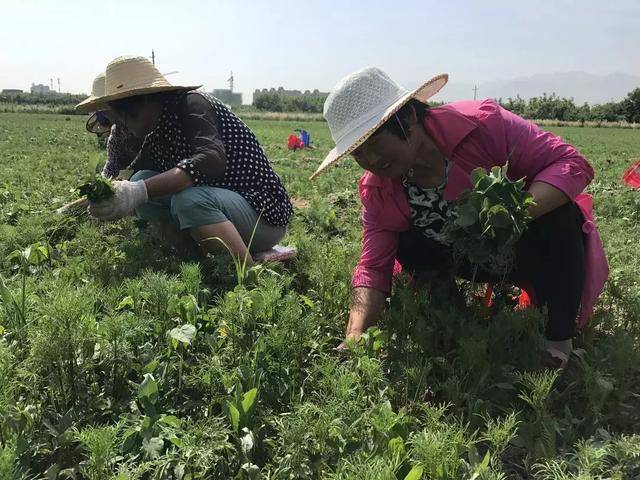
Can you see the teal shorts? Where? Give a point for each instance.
(197, 206)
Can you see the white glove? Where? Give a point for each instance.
(126, 198)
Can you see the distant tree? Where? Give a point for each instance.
(607, 112)
(631, 106)
(269, 102)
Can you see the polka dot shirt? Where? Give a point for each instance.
(216, 149)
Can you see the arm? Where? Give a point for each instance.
(547, 198)
(167, 183)
(367, 305)
(371, 279)
(556, 172)
(122, 148)
(209, 160)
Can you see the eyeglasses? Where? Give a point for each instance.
(98, 123)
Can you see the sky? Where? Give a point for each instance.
(312, 44)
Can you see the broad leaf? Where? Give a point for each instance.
(148, 389)
(234, 416)
(415, 473)
(183, 334)
(248, 401)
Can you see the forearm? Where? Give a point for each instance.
(168, 183)
(366, 306)
(547, 198)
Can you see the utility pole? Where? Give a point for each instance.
(153, 57)
(230, 80)
(475, 91)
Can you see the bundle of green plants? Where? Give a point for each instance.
(489, 220)
(98, 189)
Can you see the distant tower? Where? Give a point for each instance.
(153, 57)
(51, 83)
(59, 85)
(230, 80)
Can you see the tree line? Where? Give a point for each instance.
(545, 107)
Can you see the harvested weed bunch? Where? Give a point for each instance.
(97, 190)
(489, 220)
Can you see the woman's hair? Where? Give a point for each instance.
(131, 105)
(399, 123)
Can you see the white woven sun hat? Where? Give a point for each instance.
(127, 77)
(361, 102)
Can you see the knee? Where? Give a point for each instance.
(143, 175)
(190, 200)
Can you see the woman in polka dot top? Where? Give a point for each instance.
(200, 169)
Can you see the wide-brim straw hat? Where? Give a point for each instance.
(127, 77)
(97, 91)
(361, 102)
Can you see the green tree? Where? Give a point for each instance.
(631, 106)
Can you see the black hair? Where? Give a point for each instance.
(398, 124)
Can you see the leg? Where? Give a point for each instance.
(431, 264)
(157, 212)
(210, 212)
(154, 210)
(551, 255)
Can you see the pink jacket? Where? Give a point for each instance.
(479, 134)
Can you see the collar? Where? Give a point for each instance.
(449, 124)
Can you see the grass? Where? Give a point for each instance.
(125, 362)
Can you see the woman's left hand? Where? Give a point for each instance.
(126, 198)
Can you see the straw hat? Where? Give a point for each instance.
(127, 77)
(97, 91)
(361, 102)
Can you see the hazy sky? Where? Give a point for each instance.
(312, 44)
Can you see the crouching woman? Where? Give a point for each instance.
(199, 169)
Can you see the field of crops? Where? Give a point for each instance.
(119, 360)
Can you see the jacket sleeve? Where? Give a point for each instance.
(379, 248)
(209, 160)
(544, 157)
(122, 148)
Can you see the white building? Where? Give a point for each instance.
(40, 89)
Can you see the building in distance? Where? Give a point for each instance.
(41, 89)
(11, 91)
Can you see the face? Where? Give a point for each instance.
(141, 121)
(385, 155)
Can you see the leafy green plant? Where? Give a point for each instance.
(489, 220)
(97, 189)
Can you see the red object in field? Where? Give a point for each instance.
(294, 142)
(526, 298)
(523, 300)
(632, 176)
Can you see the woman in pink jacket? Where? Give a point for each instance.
(418, 160)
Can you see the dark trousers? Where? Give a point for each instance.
(550, 256)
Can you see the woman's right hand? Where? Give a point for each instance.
(366, 306)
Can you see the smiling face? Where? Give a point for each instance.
(385, 155)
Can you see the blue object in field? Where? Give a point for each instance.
(304, 136)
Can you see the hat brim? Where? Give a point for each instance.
(422, 94)
(92, 103)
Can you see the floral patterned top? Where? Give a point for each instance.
(429, 209)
